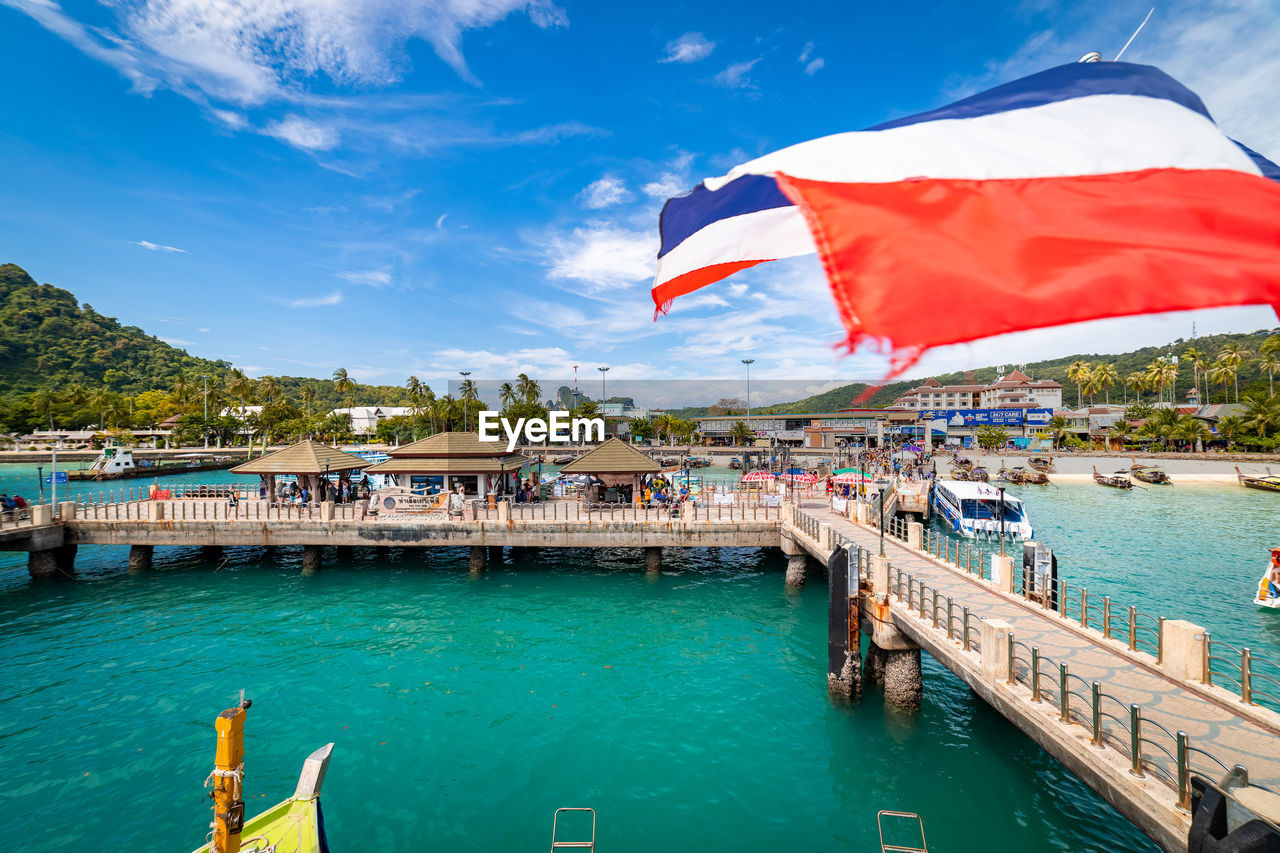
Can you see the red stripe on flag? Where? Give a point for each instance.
(932, 262)
(692, 280)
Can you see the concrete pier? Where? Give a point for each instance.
(653, 560)
(797, 570)
(52, 562)
(140, 557)
(873, 667)
(903, 680)
(312, 555)
(476, 562)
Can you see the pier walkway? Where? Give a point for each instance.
(1018, 654)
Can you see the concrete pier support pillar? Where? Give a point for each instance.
(53, 562)
(903, 680)
(1182, 645)
(915, 535)
(311, 558)
(797, 570)
(652, 560)
(873, 667)
(211, 552)
(345, 552)
(476, 564)
(995, 650)
(140, 557)
(495, 554)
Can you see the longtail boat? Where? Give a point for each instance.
(960, 473)
(962, 462)
(978, 474)
(1115, 481)
(1269, 483)
(1149, 474)
(1010, 475)
(1041, 463)
(295, 825)
(1032, 476)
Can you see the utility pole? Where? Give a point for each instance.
(603, 371)
(466, 424)
(748, 362)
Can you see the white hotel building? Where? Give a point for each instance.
(1017, 390)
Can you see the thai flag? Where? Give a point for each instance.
(1085, 191)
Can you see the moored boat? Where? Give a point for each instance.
(1116, 481)
(1269, 483)
(1032, 476)
(295, 825)
(1268, 594)
(978, 474)
(117, 463)
(975, 510)
(962, 462)
(1040, 462)
(735, 463)
(961, 474)
(1153, 474)
(1009, 475)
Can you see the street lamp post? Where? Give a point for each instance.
(882, 488)
(466, 424)
(1002, 521)
(748, 362)
(603, 371)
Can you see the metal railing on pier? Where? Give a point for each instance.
(1149, 745)
(578, 511)
(216, 510)
(1254, 678)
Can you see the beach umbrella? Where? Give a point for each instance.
(800, 477)
(757, 477)
(849, 477)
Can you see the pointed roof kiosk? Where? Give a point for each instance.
(307, 460)
(616, 463)
(442, 462)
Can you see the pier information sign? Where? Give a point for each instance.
(59, 477)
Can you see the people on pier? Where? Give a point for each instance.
(1273, 574)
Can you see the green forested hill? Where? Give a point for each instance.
(49, 342)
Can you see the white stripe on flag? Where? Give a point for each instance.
(766, 235)
(1094, 135)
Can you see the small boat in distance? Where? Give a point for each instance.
(1269, 483)
(1153, 474)
(1268, 595)
(978, 474)
(962, 462)
(1010, 475)
(1040, 462)
(1115, 481)
(1032, 476)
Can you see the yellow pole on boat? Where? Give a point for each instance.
(228, 777)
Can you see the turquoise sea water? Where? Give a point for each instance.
(690, 711)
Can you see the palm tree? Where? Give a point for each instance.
(344, 386)
(528, 389)
(1231, 427)
(1222, 373)
(99, 401)
(506, 395)
(1234, 355)
(239, 385)
(182, 390)
(741, 433)
(1191, 430)
(1262, 414)
(1269, 363)
(1119, 431)
(414, 386)
(667, 423)
(308, 396)
(268, 388)
(1194, 356)
(42, 404)
(1160, 375)
(1138, 382)
(1078, 372)
(1057, 429)
(1103, 377)
(469, 394)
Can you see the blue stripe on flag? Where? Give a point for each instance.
(1268, 169)
(686, 214)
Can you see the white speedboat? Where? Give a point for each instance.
(974, 510)
(1266, 596)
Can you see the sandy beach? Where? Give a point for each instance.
(1068, 468)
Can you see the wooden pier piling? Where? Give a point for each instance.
(844, 657)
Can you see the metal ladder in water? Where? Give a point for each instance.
(899, 848)
(556, 844)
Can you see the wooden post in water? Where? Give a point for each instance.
(844, 653)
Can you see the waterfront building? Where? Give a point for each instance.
(451, 459)
(848, 426)
(618, 466)
(1014, 390)
(364, 419)
(307, 460)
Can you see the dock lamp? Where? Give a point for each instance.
(748, 362)
(205, 377)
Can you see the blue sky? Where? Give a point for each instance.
(427, 187)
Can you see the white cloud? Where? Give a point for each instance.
(806, 53)
(303, 133)
(249, 53)
(814, 66)
(178, 342)
(690, 47)
(607, 191)
(736, 75)
(156, 247)
(603, 255)
(317, 301)
(440, 221)
(373, 278)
